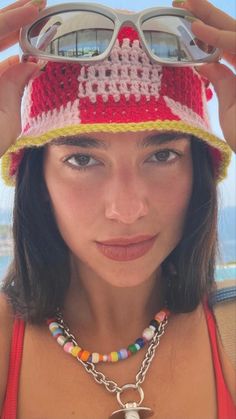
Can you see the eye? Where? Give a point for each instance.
(164, 156)
(81, 161)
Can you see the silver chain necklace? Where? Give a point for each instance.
(130, 410)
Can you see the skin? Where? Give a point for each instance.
(217, 29)
(125, 191)
(101, 310)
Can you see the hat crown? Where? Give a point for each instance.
(125, 92)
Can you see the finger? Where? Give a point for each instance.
(221, 77)
(209, 14)
(230, 58)
(222, 39)
(14, 5)
(13, 20)
(9, 62)
(12, 83)
(224, 83)
(9, 41)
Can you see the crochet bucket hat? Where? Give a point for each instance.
(124, 93)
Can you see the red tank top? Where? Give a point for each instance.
(226, 407)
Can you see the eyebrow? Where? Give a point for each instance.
(85, 142)
(158, 139)
(89, 142)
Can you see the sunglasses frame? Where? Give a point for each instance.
(120, 19)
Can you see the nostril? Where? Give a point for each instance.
(128, 212)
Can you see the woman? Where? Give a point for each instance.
(114, 235)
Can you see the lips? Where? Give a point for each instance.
(126, 248)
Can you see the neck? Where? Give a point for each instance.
(98, 308)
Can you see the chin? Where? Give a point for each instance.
(127, 274)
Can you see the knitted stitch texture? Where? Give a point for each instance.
(125, 92)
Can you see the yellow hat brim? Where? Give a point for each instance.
(175, 126)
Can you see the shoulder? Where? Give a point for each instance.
(6, 324)
(223, 303)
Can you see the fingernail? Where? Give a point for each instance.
(179, 1)
(191, 19)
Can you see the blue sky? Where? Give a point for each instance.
(227, 189)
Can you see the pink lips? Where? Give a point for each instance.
(125, 249)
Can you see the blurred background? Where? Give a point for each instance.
(227, 189)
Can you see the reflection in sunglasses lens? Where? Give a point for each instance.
(73, 34)
(86, 34)
(171, 39)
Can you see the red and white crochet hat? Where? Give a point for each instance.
(126, 92)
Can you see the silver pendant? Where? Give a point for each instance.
(132, 411)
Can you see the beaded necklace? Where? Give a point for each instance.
(58, 332)
(151, 336)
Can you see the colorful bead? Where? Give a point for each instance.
(61, 340)
(75, 351)
(53, 326)
(140, 342)
(114, 356)
(148, 334)
(68, 347)
(132, 348)
(154, 324)
(152, 328)
(123, 354)
(84, 356)
(57, 332)
(95, 358)
(54, 329)
(160, 317)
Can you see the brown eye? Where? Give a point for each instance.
(163, 155)
(82, 161)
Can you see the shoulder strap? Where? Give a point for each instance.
(10, 403)
(223, 304)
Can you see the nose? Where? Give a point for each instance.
(126, 200)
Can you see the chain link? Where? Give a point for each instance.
(140, 377)
(99, 377)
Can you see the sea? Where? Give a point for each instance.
(227, 271)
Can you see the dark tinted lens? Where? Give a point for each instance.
(171, 38)
(73, 34)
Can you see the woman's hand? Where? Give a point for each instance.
(218, 29)
(14, 75)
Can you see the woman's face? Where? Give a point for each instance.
(120, 200)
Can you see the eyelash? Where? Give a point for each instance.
(79, 167)
(166, 150)
(75, 167)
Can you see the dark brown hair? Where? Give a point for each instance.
(39, 276)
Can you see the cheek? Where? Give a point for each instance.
(74, 205)
(171, 199)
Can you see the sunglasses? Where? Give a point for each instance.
(86, 32)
